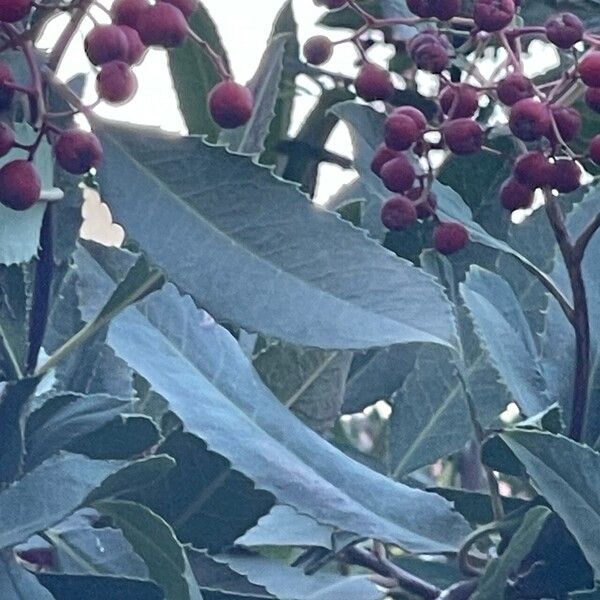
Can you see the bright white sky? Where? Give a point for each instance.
(244, 28)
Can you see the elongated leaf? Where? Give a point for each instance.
(184, 355)
(194, 74)
(48, 494)
(250, 139)
(154, 540)
(18, 584)
(271, 261)
(493, 582)
(567, 474)
(500, 323)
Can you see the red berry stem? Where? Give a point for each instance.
(215, 58)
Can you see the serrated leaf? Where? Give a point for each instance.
(250, 139)
(48, 494)
(493, 582)
(269, 237)
(181, 351)
(154, 540)
(500, 323)
(567, 474)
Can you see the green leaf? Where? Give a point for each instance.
(17, 583)
(250, 139)
(308, 381)
(500, 323)
(194, 74)
(48, 494)
(20, 230)
(183, 354)
(154, 540)
(567, 474)
(493, 582)
(222, 207)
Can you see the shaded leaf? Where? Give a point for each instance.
(18, 584)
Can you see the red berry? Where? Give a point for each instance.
(20, 185)
(459, 101)
(382, 155)
(425, 203)
(398, 212)
(373, 83)
(116, 82)
(135, 47)
(493, 15)
(331, 4)
(592, 98)
(589, 69)
(128, 12)
(7, 139)
(529, 119)
(463, 136)
(414, 113)
(449, 238)
(533, 169)
(187, 7)
(230, 104)
(12, 11)
(162, 25)
(421, 8)
(568, 122)
(78, 151)
(318, 49)
(566, 175)
(594, 149)
(515, 195)
(401, 132)
(430, 51)
(565, 30)
(105, 43)
(6, 92)
(513, 88)
(446, 9)
(398, 175)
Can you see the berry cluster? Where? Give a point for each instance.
(113, 48)
(540, 117)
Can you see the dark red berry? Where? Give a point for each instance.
(382, 155)
(398, 175)
(430, 51)
(12, 11)
(230, 104)
(398, 213)
(514, 87)
(421, 8)
(589, 69)
(162, 25)
(105, 43)
(459, 101)
(566, 175)
(446, 9)
(6, 92)
(187, 7)
(20, 185)
(594, 149)
(592, 98)
(414, 113)
(515, 195)
(128, 12)
(7, 139)
(529, 119)
(463, 136)
(116, 82)
(568, 122)
(401, 132)
(331, 4)
(318, 49)
(135, 47)
(533, 169)
(78, 151)
(449, 238)
(373, 83)
(425, 202)
(565, 30)
(493, 15)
